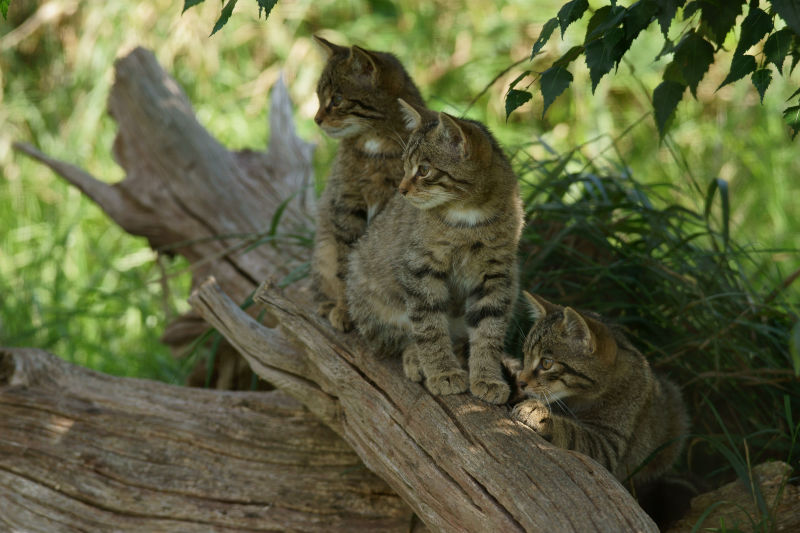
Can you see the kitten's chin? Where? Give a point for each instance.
(427, 201)
(342, 132)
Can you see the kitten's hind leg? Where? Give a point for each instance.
(324, 307)
(411, 366)
(340, 318)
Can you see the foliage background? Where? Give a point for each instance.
(75, 284)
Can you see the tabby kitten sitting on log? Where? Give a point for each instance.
(441, 258)
(591, 391)
(358, 92)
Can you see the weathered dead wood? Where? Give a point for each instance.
(189, 195)
(82, 451)
(462, 465)
(185, 192)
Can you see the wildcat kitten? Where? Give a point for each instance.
(358, 92)
(441, 258)
(591, 391)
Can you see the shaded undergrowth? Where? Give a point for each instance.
(698, 303)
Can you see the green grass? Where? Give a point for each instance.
(601, 240)
(621, 223)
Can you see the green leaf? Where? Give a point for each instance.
(638, 17)
(794, 349)
(693, 56)
(554, 81)
(190, 3)
(793, 95)
(691, 9)
(754, 27)
(517, 79)
(741, 66)
(224, 15)
(721, 185)
(569, 56)
(666, 12)
(791, 116)
(514, 99)
(761, 79)
(267, 5)
(719, 17)
(605, 18)
(777, 46)
(544, 36)
(668, 48)
(789, 11)
(602, 54)
(4, 7)
(665, 99)
(570, 12)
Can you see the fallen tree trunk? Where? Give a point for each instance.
(460, 464)
(82, 451)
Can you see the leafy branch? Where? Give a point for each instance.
(264, 6)
(612, 29)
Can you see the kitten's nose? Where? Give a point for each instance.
(318, 119)
(521, 384)
(403, 190)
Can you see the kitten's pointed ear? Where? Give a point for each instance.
(454, 134)
(537, 309)
(327, 48)
(363, 64)
(577, 329)
(411, 116)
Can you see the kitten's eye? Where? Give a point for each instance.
(336, 100)
(546, 363)
(423, 170)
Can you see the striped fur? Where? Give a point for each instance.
(357, 92)
(590, 390)
(439, 263)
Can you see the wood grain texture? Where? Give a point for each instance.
(82, 451)
(460, 463)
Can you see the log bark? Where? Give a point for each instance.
(460, 464)
(82, 451)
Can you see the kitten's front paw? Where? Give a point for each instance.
(489, 390)
(411, 365)
(451, 382)
(340, 319)
(535, 414)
